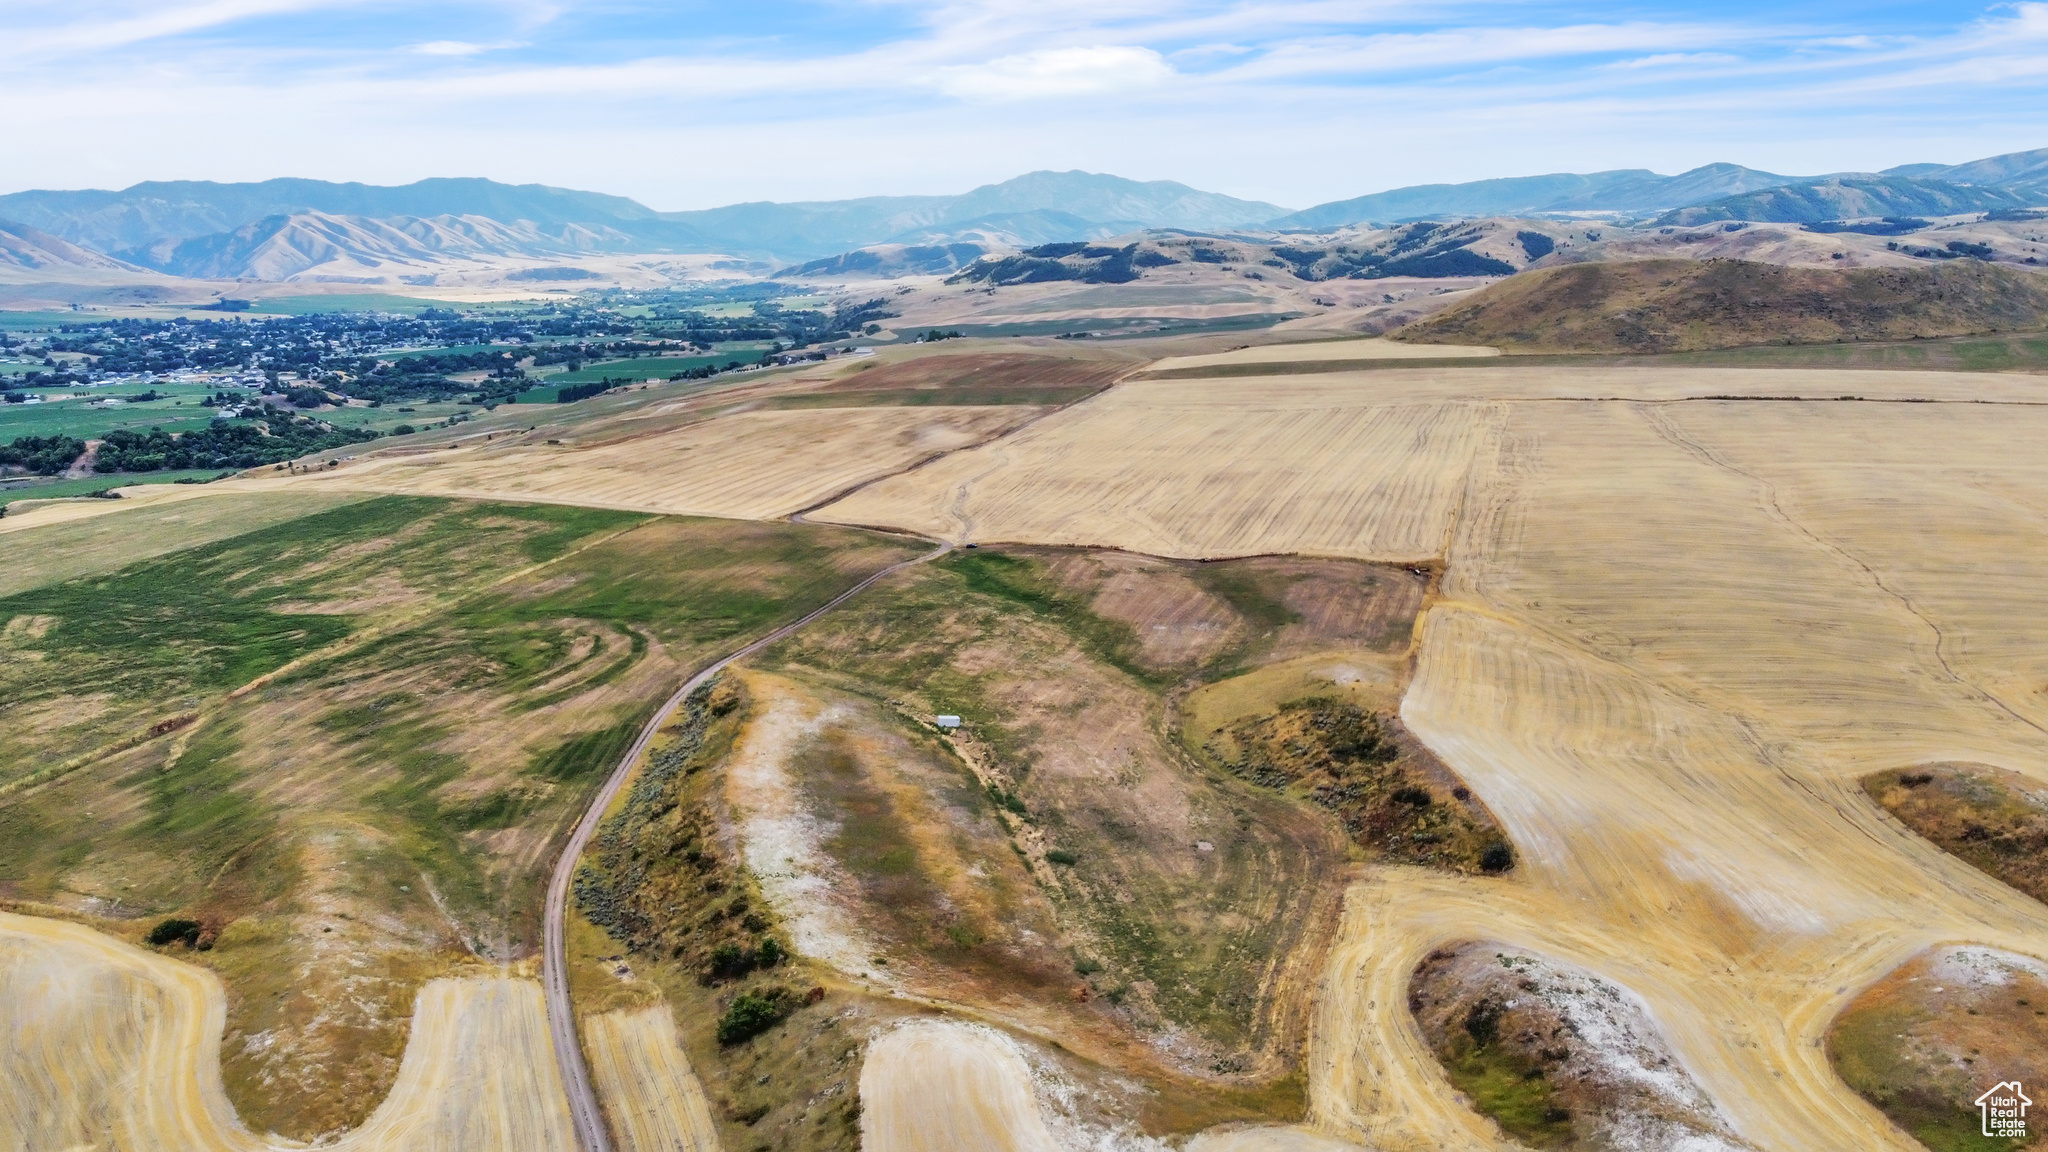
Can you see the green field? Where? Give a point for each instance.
(647, 367)
(37, 488)
(455, 350)
(179, 411)
(123, 536)
(368, 302)
(418, 413)
(429, 690)
(66, 413)
(43, 321)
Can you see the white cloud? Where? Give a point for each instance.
(1463, 47)
(1675, 59)
(100, 29)
(461, 47)
(1057, 72)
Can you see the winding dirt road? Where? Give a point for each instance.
(591, 1134)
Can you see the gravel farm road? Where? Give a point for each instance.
(591, 1134)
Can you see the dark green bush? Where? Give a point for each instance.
(174, 930)
(752, 1013)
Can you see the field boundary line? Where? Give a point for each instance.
(991, 438)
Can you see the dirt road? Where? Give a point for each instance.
(591, 1134)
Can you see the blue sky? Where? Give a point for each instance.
(691, 104)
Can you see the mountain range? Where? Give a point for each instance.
(1035, 208)
(2017, 176)
(278, 229)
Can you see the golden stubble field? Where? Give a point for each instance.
(1673, 632)
(1683, 610)
(754, 465)
(110, 1047)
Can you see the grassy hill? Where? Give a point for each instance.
(1690, 305)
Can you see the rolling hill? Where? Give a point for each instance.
(2020, 171)
(1639, 191)
(152, 212)
(283, 247)
(1688, 305)
(31, 250)
(1038, 207)
(1848, 198)
(1627, 189)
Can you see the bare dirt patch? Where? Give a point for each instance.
(1559, 1057)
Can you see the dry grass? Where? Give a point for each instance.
(652, 1097)
(749, 465)
(1923, 1042)
(1994, 819)
(1671, 641)
(69, 549)
(973, 378)
(1674, 634)
(355, 826)
(1688, 305)
(940, 1086)
(1321, 352)
(116, 1048)
(1199, 469)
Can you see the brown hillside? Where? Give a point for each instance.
(1688, 305)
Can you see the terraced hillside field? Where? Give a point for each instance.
(344, 748)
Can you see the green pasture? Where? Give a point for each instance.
(67, 411)
(39, 488)
(367, 302)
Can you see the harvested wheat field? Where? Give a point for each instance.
(746, 465)
(941, 1086)
(1321, 351)
(114, 1048)
(1674, 634)
(1671, 622)
(1670, 641)
(1232, 471)
(655, 1101)
(1370, 465)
